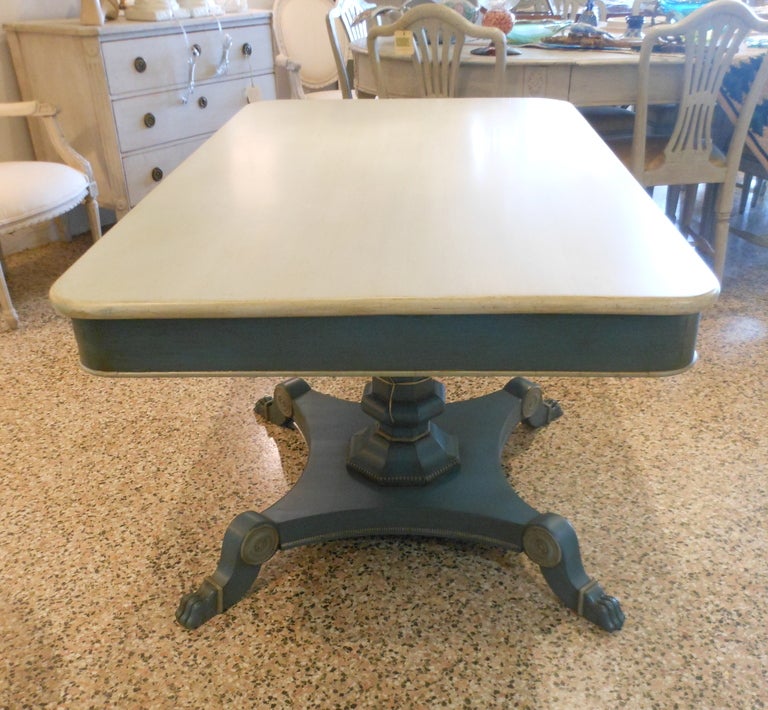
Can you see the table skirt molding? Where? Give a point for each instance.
(480, 344)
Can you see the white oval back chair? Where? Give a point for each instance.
(303, 49)
(34, 191)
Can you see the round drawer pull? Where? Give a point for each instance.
(157, 174)
(247, 49)
(140, 65)
(149, 120)
(197, 50)
(202, 102)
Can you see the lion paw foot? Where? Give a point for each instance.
(198, 607)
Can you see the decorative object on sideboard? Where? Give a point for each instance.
(201, 8)
(160, 10)
(111, 8)
(234, 5)
(155, 11)
(91, 12)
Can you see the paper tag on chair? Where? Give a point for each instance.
(403, 43)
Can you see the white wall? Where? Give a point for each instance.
(14, 139)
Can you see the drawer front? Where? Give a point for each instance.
(151, 63)
(143, 171)
(145, 121)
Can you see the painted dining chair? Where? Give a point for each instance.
(534, 7)
(302, 48)
(566, 9)
(618, 121)
(689, 155)
(347, 22)
(438, 38)
(753, 170)
(754, 162)
(34, 191)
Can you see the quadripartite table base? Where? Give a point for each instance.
(403, 463)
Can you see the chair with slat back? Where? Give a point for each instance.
(535, 7)
(347, 22)
(567, 9)
(34, 191)
(753, 169)
(711, 36)
(438, 37)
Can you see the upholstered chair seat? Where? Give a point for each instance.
(34, 191)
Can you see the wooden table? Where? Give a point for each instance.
(402, 239)
(583, 77)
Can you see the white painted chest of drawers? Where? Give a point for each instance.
(120, 88)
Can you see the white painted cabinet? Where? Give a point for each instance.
(121, 89)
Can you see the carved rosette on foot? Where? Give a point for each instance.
(550, 541)
(250, 540)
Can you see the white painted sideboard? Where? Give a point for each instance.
(120, 88)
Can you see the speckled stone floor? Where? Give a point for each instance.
(116, 492)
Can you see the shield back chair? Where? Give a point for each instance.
(34, 191)
(752, 169)
(439, 35)
(618, 121)
(348, 22)
(752, 166)
(712, 35)
(535, 7)
(303, 49)
(566, 9)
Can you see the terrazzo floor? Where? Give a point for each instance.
(115, 494)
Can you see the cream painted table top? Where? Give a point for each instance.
(583, 77)
(484, 207)
(394, 238)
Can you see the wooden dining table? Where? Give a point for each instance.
(585, 77)
(400, 239)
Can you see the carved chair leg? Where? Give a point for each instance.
(9, 314)
(746, 184)
(62, 230)
(94, 218)
(722, 230)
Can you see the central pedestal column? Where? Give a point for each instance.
(404, 447)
